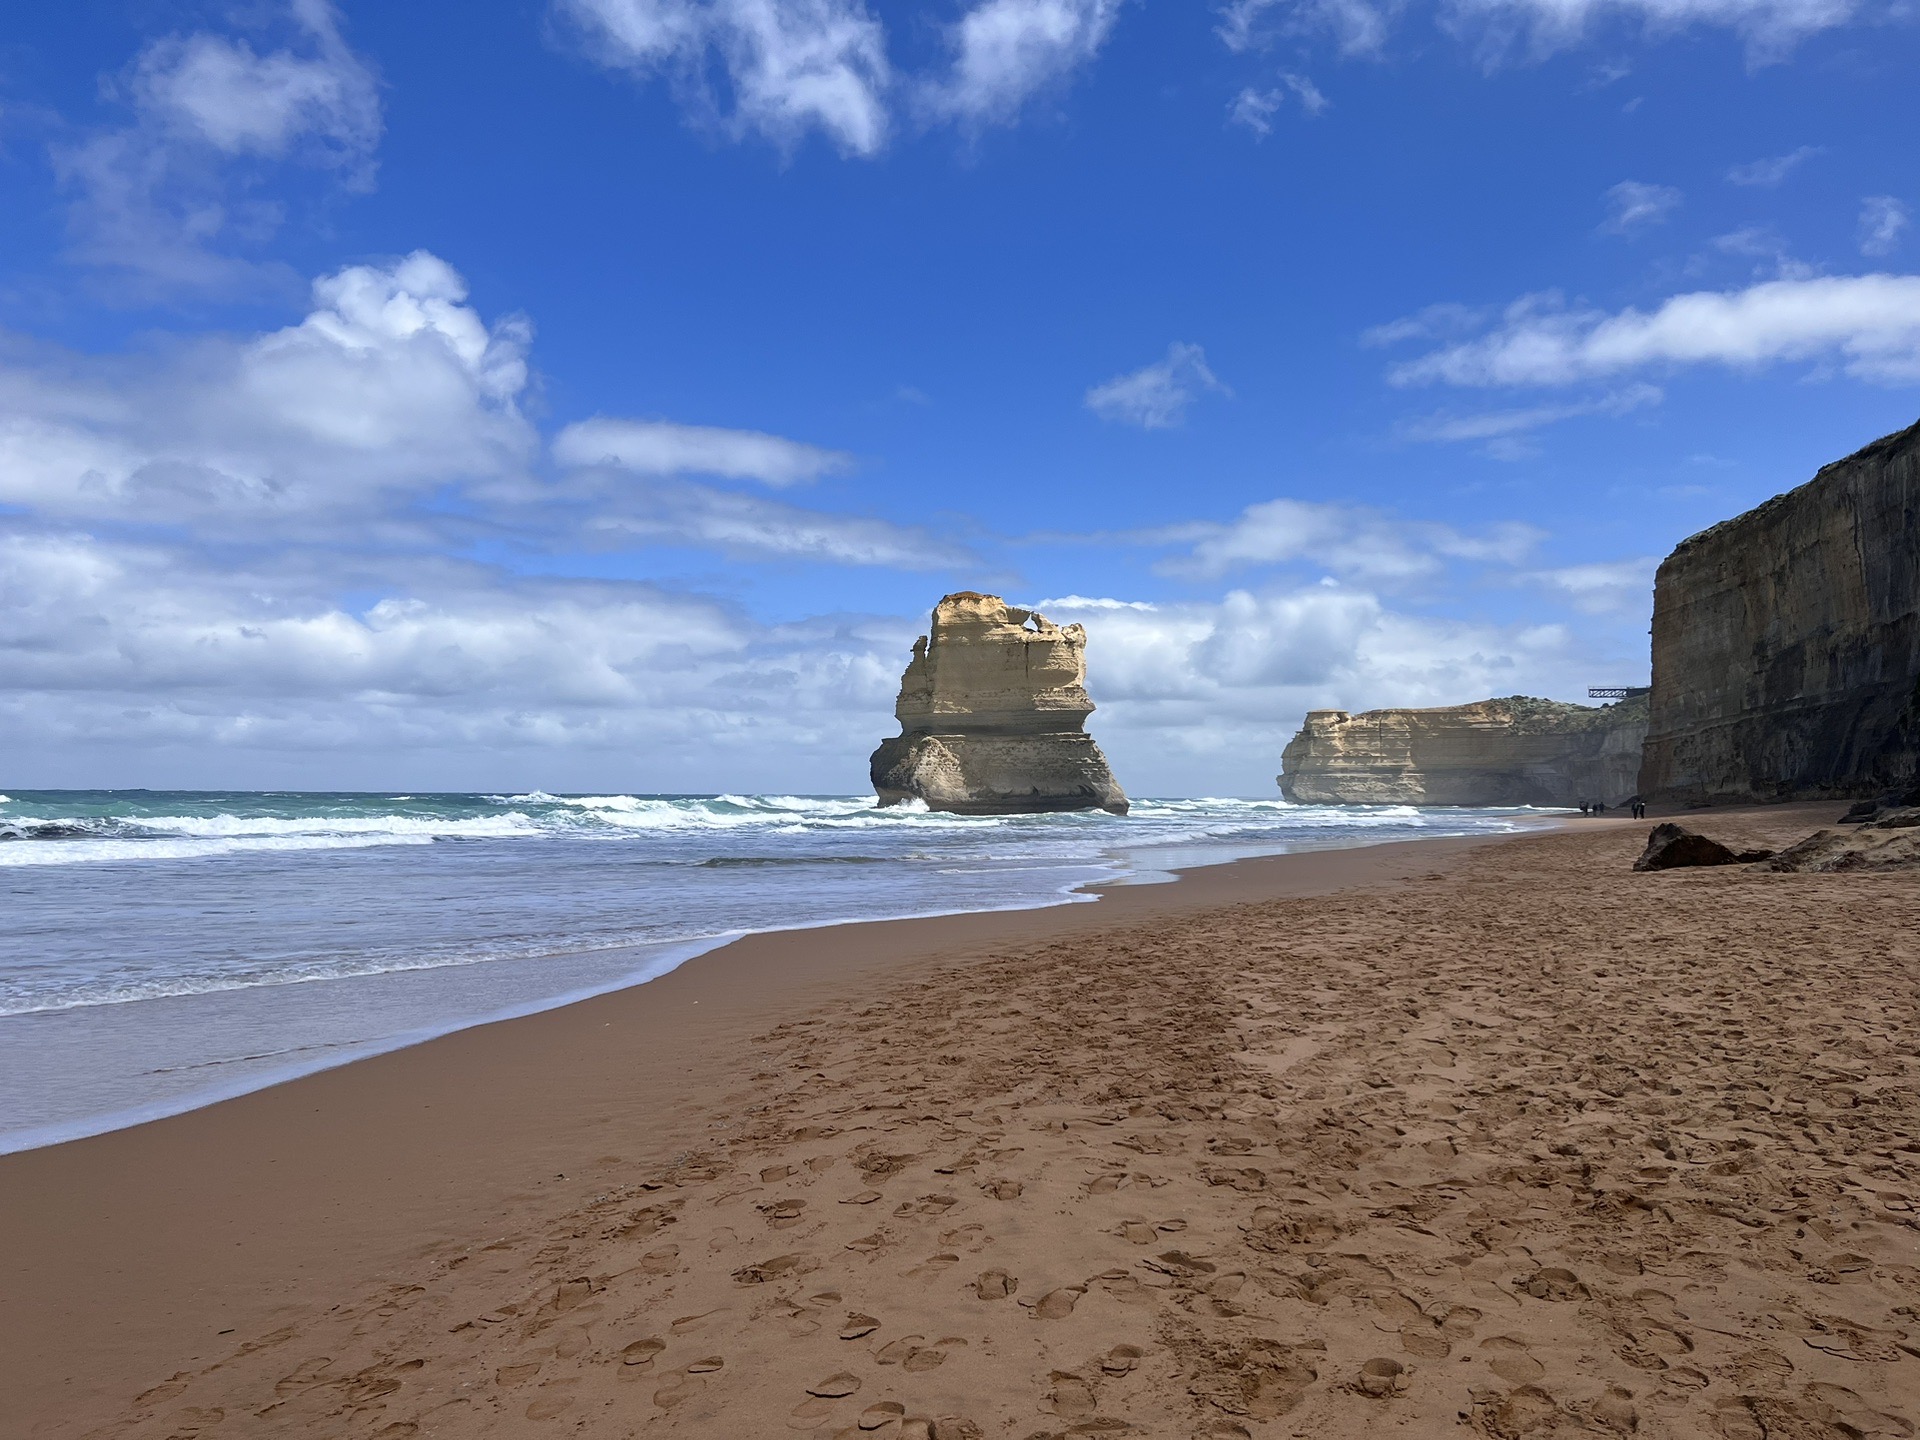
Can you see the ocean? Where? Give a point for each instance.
(163, 950)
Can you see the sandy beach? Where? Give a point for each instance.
(1448, 1137)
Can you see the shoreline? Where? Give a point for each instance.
(147, 1242)
(660, 958)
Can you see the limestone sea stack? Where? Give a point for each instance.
(993, 710)
(1786, 642)
(1516, 751)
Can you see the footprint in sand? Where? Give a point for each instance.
(1003, 1189)
(1507, 1357)
(663, 1261)
(516, 1374)
(1381, 1377)
(967, 1237)
(1070, 1397)
(858, 1326)
(868, 1244)
(170, 1389)
(865, 1197)
(898, 1350)
(1058, 1304)
(933, 1265)
(642, 1352)
(835, 1387)
(722, 1239)
(706, 1365)
(308, 1372)
(930, 1357)
(775, 1172)
(1137, 1232)
(820, 1163)
(687, 1324)
(678, 1391)
(878, 1416)
(549, 1408)
(994, 1285)
(1552, 1284)
(777, 1268)
(783, 1214)
(572, 1342)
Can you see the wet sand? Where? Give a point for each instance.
(1427, 1139)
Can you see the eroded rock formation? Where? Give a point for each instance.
(1516, 751)
(993, 709)
(1786, 642)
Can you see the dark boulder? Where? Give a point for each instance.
(1672, 847)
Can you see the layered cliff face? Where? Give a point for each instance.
(1786, 642)
(992, 713)
(1517, 751)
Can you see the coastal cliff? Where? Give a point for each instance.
(1516, 751)
(1786, 642)
(992, 712)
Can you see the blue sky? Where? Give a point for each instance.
(596, 394)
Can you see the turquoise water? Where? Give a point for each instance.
(165, 949)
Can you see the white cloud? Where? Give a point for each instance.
(1357, 27)
(389, 389)
(1191, 694)
(1006, 51)
(1771, 28)
(752, 526)
(390, 397)
(1433, 323)
(1156, 396)
(1773, 170)
(1538, 28)
(1505, 425)
(1869, 323)
(1255, 108)
(164, 200)
(659, 447)
(1882, 221)
(1607, 587)
(1349, 540)
(1634, 205)
(459, 676)
(792, 66)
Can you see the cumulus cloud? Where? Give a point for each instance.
(1007, 51)
(1883, 220)
(1869, 324)
(165, 199)
(1197, 691)
(1349, 540)
(659, 447)
(1156, 396)
(791, 66)
(392, 397)
(1633, 205)
(389, 389)
(456, 676)
(1773, 170)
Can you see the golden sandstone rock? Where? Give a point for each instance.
(992, 712)
(1516, 751)
(1786, 642)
